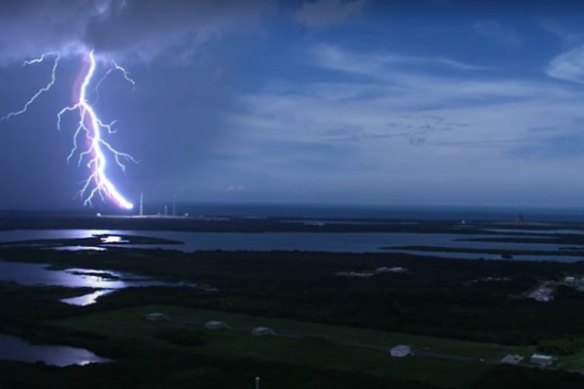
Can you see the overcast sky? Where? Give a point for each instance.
(328, 101)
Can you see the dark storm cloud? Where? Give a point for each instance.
(137, 30)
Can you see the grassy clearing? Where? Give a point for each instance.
(112, 320)
(572, 362)
(310, 344)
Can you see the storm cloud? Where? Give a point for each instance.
(284, 101)
(129, 30)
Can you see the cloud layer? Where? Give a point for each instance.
(568, 66)
(311, 100)
(391, 121)
(137, 30)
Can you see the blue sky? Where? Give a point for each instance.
(328, 101)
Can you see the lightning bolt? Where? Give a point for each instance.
(113, 68)
(44, 89)
(90, 128)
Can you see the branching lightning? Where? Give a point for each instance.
(90, 128)
(114, 67)
(45, 89)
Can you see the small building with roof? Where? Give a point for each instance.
(156, 316)
(216, 325)
(395, 269)
(400, 351)
(262, 331)
(542, 360)
(512, 359)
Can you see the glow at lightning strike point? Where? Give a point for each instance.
(98, 182)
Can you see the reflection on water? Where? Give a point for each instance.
(16, 349)
(105, 281)
(78, 248)
(112, 239)
(39, 274)
(16, 235)
(87, 299)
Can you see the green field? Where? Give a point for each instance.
(572, 362)
(302, 343)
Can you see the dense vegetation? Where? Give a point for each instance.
(438, 297)
(460, 299)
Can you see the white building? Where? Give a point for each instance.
(542, 360)
(355, 274)
(216, 325)
(543, 294)
(156, 316)
(400, 351)
(262, 331)
(385, 269)
(512, 359)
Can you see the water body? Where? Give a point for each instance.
(87, 299)
(34, 274)
(305, 241)
(458, 255)
(78, 248)
(16, 349)
(536, 231)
